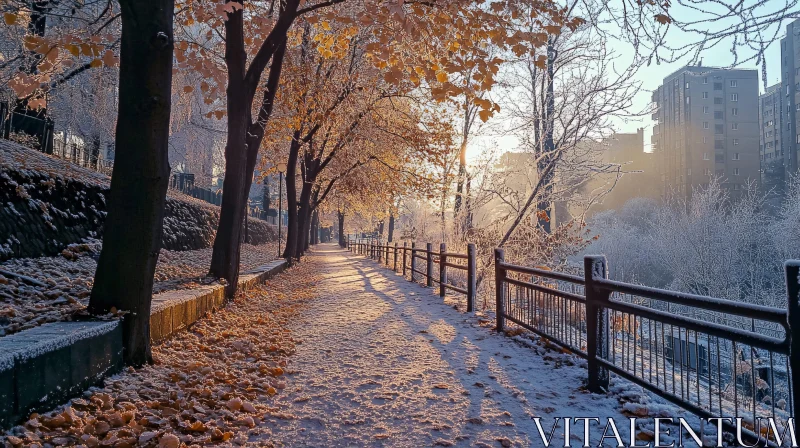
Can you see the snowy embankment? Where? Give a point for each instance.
(54, 289)
(51, 217)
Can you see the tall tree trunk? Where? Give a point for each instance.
(342, 241)
(315, 227)
(468, 207)
(545, 207)
(303, 219)
(133, 226)
(241, 151)
(458, 218)
(380, 229)
(391, 228)
(291, 199)
(225, 255)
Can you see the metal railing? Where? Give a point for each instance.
(713, 357)
(456, 272)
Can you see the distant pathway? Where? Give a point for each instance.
(383, 362)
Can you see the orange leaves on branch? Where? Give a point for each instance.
(543, 216)
(553, 29)
(663, 19)
(540, 62)
(10, 18)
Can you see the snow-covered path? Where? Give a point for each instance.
(383, 362)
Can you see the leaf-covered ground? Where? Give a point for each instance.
(61, 285)
(213, 384)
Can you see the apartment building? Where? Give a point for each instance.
(707, 126)
(790, 86)
(771, 151)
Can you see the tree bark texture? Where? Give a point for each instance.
(133, 226)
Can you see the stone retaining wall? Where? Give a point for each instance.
(47, 204)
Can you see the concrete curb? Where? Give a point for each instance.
(42, 367)
(172, 311)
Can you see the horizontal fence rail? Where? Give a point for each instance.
(713, 357)
(447, 271)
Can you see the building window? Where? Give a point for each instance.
(735, 126)
(734, 97)
(717, 86)
(736, 171)
(705, 125)
(717, 100)
(708, 172)
(734, 83)
(718, 115)
(687, 85)
(705, 96)
(736, 154)
(705, 109)
(687, 100)
(718, 129)
(705, 156)
(689, 172)
(705, 80)
(736, 143)
(734, 111)
(705, 140)
(736, 187)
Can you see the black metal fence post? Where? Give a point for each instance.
(405, 244)
(395, 256)
(429, 263)
(413, 259)
(387, 254)
(500, 290)
(442, 268)
(792, 268)
(594, 267)
(471, 277)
